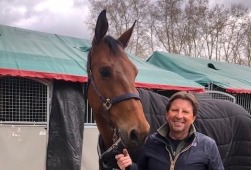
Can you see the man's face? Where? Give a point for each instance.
(180, 116)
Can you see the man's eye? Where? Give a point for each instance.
(104, 72)
(185, 112)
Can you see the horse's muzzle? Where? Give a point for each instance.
(133, 139)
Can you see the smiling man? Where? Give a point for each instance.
(176, 145)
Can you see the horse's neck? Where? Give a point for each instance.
(104, 130)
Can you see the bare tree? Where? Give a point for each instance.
(168, 16)
(121, 15)
(195, 15)
(247, 44)
(233, 33)
(189, 27)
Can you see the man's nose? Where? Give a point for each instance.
(179, 114)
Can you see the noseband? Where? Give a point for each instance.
(107, 103)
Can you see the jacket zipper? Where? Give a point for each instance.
(172, 162)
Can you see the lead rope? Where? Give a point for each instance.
(115, 145)
(114, 139)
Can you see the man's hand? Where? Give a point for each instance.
(123, 160)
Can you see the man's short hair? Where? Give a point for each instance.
(185, 96)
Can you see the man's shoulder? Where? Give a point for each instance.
(155, 137)
(204, 138)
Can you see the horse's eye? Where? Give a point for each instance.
(104, 72)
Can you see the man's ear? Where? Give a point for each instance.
(194, 117)
(166, 115)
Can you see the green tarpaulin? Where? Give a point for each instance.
(29, 53)
(232, 77)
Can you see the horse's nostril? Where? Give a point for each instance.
(133, 135)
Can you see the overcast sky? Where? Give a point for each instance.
(227, 3)
(63, 17)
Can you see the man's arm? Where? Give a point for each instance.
(215, 158)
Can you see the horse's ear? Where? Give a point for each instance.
(101, 27)
(125, 37)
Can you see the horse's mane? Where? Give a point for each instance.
(113, 44)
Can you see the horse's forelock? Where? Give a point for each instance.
(113, 44)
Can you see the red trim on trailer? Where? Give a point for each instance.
(37, 74)
(73, 78)
(233, 90)
(169, 87)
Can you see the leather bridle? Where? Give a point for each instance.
(107, 103)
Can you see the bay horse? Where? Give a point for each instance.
(123, 113)
(111, 92)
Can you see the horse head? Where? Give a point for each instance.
(112, 94)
